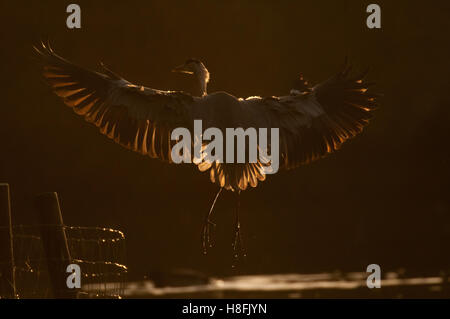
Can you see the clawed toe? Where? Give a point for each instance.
(238, 247)
(206, 237)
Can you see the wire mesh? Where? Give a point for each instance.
(100, 253)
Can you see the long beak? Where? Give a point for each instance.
(180, 69)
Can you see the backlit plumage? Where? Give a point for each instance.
(312, 121)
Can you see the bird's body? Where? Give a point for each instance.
(312, 122)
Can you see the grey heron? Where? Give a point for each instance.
(312, 121)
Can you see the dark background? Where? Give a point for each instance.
(383, 198)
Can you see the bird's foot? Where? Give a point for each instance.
(206, 236)
(239, 252)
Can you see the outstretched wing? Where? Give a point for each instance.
(317, 121)
(312, 123)
(138, 118)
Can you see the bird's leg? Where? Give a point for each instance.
(238, 248)
(206, 234)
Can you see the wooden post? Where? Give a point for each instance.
(7, 270)
(55, 244)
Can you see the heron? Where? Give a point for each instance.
(313, 121)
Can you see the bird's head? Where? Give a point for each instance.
(191, 66)
(196, 68)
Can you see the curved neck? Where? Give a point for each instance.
(202, 75)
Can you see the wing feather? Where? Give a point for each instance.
(138, 118)
(317, 122)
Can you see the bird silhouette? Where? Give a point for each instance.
(312, 121)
